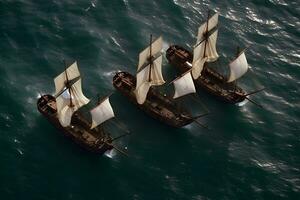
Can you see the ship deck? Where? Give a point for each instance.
(95, 140)
(157, 105)
(210, 80)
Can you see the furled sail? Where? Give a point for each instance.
(145, 81)
(184, 85)
(101, 113)
(209, 43)
(238, 67)
(156, 47)
(69, 96)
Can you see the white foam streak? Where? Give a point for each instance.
(240, 104)
(20, 151)
(278, 99)
(110, 154)
(268, 166)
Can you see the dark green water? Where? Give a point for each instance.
(250, 153)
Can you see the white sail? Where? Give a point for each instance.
(210, 44)
(184, 85)
(145, 54)
(63, 102)
(144, 83)
(198, 67)
(72, 72)
(156, 72)
(238, 67)
(65, 116)
(212, 23)
(210, 50)
(101, 113)
(199, 57)
(198, 52)
(198, 60)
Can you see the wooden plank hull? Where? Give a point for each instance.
(94, 140)
(210, 80)
(156, 105)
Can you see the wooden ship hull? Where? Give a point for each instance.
(210, 80)
(94, 140)
(156, 105)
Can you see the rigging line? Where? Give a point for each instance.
(67, 84)
(120, 136)
(254, 92)
(180, 76)
(209, 33)
(202, 125)
(238, 55)
(66, 88)
(106, 97)
(255, 103)
(116, 148)
(119, 150)
(195, 120)
(147, 63)
(72, 82)
(200, 116)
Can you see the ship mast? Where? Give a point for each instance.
(237, 51)
(68, 86)
(149, 71)
(68, 81)
(150, 58)
(206, 35)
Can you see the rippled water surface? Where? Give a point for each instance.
(249, 153)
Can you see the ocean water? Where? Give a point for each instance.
(248, 153)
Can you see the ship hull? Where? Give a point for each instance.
(156, 105)
(210, 80)
(95, 140)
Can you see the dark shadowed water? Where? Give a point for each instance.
(249, 153)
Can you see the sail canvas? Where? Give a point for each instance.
(184, 85)
(101, 113)
(238, 67)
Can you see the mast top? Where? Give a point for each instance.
(150, 54)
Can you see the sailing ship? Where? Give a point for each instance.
(140, 91)
(205, 77)
(62, 111)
